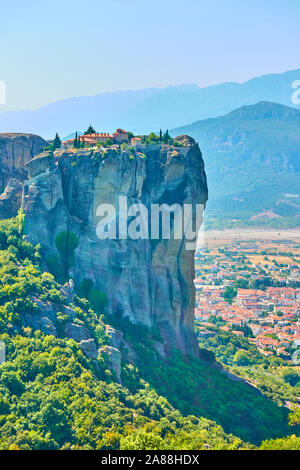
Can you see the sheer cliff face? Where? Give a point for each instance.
(15, 151)
(149, 281)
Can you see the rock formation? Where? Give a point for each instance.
(148, 281)
(15, 151)
(11, 199)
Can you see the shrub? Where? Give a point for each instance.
(66, 243)
(98, 300)
(56, 268)
(291, 377)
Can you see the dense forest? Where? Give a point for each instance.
(54, 396)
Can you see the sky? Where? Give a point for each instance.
(50, 49)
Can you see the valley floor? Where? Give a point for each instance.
(214, 236)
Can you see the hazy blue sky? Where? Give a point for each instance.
(52, 49)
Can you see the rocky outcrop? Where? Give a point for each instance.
(89, 348)
(116, 336)
(76, 332)
(48, 327)
(150, 281)
(112, 357)
(15, 151)
(11, 199)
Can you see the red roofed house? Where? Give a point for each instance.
(92, 139)
(120, 136)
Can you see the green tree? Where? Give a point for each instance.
(142, 440)
(98, 300)
(229, 294)
(56, 142)
(90, 130)
(287, 443)
(291, 377)
(166, 137)
(242, 358)
(66, 243)
(12, 381)
(294, 418)
(242, 284)
(75, 144)
(152, 137)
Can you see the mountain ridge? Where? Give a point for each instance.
(168, 107)
(252, 160)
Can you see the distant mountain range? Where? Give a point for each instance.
(148, 110)
(252, 159)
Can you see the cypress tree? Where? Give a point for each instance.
(56, 142)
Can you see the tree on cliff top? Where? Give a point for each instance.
(90, 130)
(56, 142)
(166, 137)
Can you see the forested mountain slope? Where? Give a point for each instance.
(65, 386)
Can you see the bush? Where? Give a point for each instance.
(12, 381)
(291, 377)
(66, 243)
(98, 300)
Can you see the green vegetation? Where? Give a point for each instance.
(78, 142)
(153, 138)
(229, 294)
(98, 299)
(52, 396)
(90, 130)
(269, 374)
(291, 377)
(287, 443)
(66, 243)
(200, 389)
(56, 142)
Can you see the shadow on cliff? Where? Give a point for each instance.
(200, 387)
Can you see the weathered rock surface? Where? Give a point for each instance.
(76, 332)
(15, 151)
(68, 290)
(116, 336)
(149, 281)
(11, 199)
(48, 327)
(41, 163)
(89, 348)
